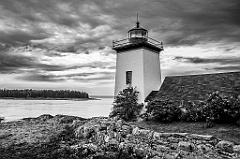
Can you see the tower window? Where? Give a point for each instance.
(129, 77)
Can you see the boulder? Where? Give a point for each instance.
(204, 148)
(225, 146)
(77, 123)
(119, 124)
(135, 130)
(236, 149)
(186, 146)
(141, 152)
(142, 133)
(201, 137)
(45, 117)
(160, 148)
(126, 129)
(86, 131)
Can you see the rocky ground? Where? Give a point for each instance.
(69, 137)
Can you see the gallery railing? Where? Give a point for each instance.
(128, 41)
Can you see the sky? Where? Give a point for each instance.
(67, 44)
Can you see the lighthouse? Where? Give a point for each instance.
(138, 62)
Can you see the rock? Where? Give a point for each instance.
(169, 156)
(130, 137)
(180, 134)
(160, 148)
(119, 124)
(126, 129)
(100, 138)
(77, 123)
(201, 137)
(85, 131)
(205, 148)
(67, 118)
(45, 117)
(111, 127)
(236, 149)
(142, 133)
(225, 146)
(156, 156)
(171, 134)
(127, 148)
(1, 119)
(186, 146)
(91, 147)
(135, 130)
(113, 142)
(156, 136)
(103, 126)
(5, 135)
(165, 134)
(141, 152)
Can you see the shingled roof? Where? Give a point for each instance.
(198, 87)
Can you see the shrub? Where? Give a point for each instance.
(162, 110)
(222, 109)
(215, 109)
(125, 105)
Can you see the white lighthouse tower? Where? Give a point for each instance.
(138, 62)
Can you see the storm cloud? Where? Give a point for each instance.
(72, 40)
(187, 22)
(84, 77)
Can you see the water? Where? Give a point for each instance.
(17, 109)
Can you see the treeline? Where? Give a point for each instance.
(29, 93)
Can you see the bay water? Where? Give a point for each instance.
(17, 109)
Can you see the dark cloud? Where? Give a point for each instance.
(71, 49)
(97, 78)
(94, 76)
(203, 22)
(13, 63)
(18, 63)
(198, 60)
(175, 22)
(60, 48)
(101, 48)
(19, 37)
(40, 78)
(226, 68)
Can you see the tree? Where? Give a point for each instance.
(125, 105)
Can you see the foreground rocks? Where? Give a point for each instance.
(116, 137)
(69, 137)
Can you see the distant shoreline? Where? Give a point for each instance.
(76, 99)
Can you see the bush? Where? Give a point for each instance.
(215, 109)
(222, 109)
(125, 104)
(162, 110)
(192, 112)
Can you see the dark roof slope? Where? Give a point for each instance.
(198, 87)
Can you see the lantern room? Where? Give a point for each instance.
(137, 33)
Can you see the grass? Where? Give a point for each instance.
(223, 131)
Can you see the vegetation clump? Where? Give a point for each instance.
(162, 110)
(125, 105)
(215, 109)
